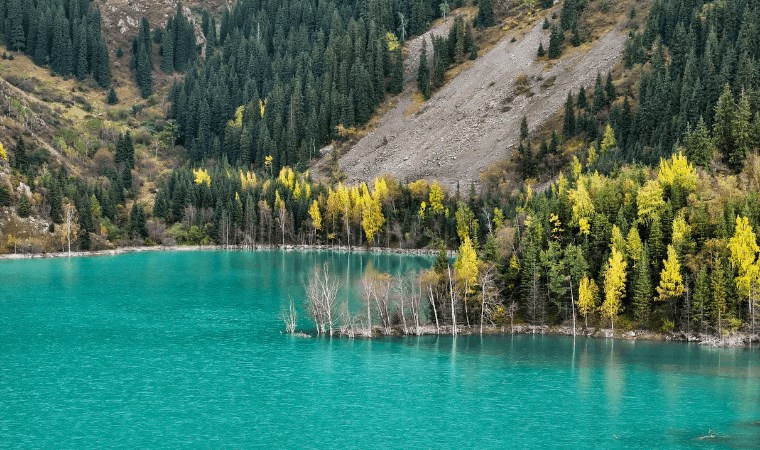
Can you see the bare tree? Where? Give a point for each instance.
(428, 282)
(321, 295)
(488, 294)
(379, 290)
(290, 317)
(402, 294)
(70, 223)
(452, 295)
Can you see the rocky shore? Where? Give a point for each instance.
(732, 341)
(180, 248)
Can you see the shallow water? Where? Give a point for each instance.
(185, 349)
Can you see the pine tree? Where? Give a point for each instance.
(568, 128)
(699, 145)
(642, 288)
(582, 100)
(485, 13)
(423, 73)
(524, 128)
(723, 125)
(112, 98)
(555, 42)
(143, 71)
(741, 133)
(541, 52)
(168, 42)
(24, 208)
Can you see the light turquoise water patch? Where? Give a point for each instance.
(184, 349)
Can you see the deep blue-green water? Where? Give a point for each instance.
(185, 349)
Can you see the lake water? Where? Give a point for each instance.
(185, 350)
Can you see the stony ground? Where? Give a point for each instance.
(474, 120)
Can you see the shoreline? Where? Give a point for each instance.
(737, 340)
(258, 247)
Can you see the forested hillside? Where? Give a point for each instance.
(294, 72)
(64, 34)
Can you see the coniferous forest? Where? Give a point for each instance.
(62, 34)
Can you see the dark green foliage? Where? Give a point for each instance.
(423, 73)
(485, 16)
(582, 101)
(556, 38)
(524, 128)
(541, 52)
(396, 84)
(314, 67)
(137, 222)
(569, 125)
(65, 35)
(143, 59)
(5, 195)
(546, 24)
(112, 98)
(178, 40)
(699, 145)
(125, 150)
(24, 207)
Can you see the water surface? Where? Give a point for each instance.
(185, 349)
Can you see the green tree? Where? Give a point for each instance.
(556, 38)
(24, 207)
(423, 73)
(485, 13)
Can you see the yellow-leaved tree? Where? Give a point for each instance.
(372, 214)
(588, 297)
(202, 177)
(316, 216)
(582, 206)
(650, 200)
(466, 267)
(608, 141)
(3, 153)
(618, 240)
(744, 248)
(671, 282)
(678, 171)
(634, 245)
(614, 286)
(436, 198)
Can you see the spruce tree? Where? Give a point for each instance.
(568, 129)
(555, 42)
(423, 73)
(699, 145)
(642, 288)
(524, 128)
(582, 100)
(723, 124)
(485, 13)
(112, 98)
(541, 52)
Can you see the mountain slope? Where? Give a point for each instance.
(474, 120)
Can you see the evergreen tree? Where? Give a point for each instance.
(485, 13)
(112, 98)
(555, 42)
(524, 128)
(699, 145)
(723, 126)
(569, 125)
(423, 73)
(396, 84)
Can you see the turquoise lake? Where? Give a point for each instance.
(185, 349)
